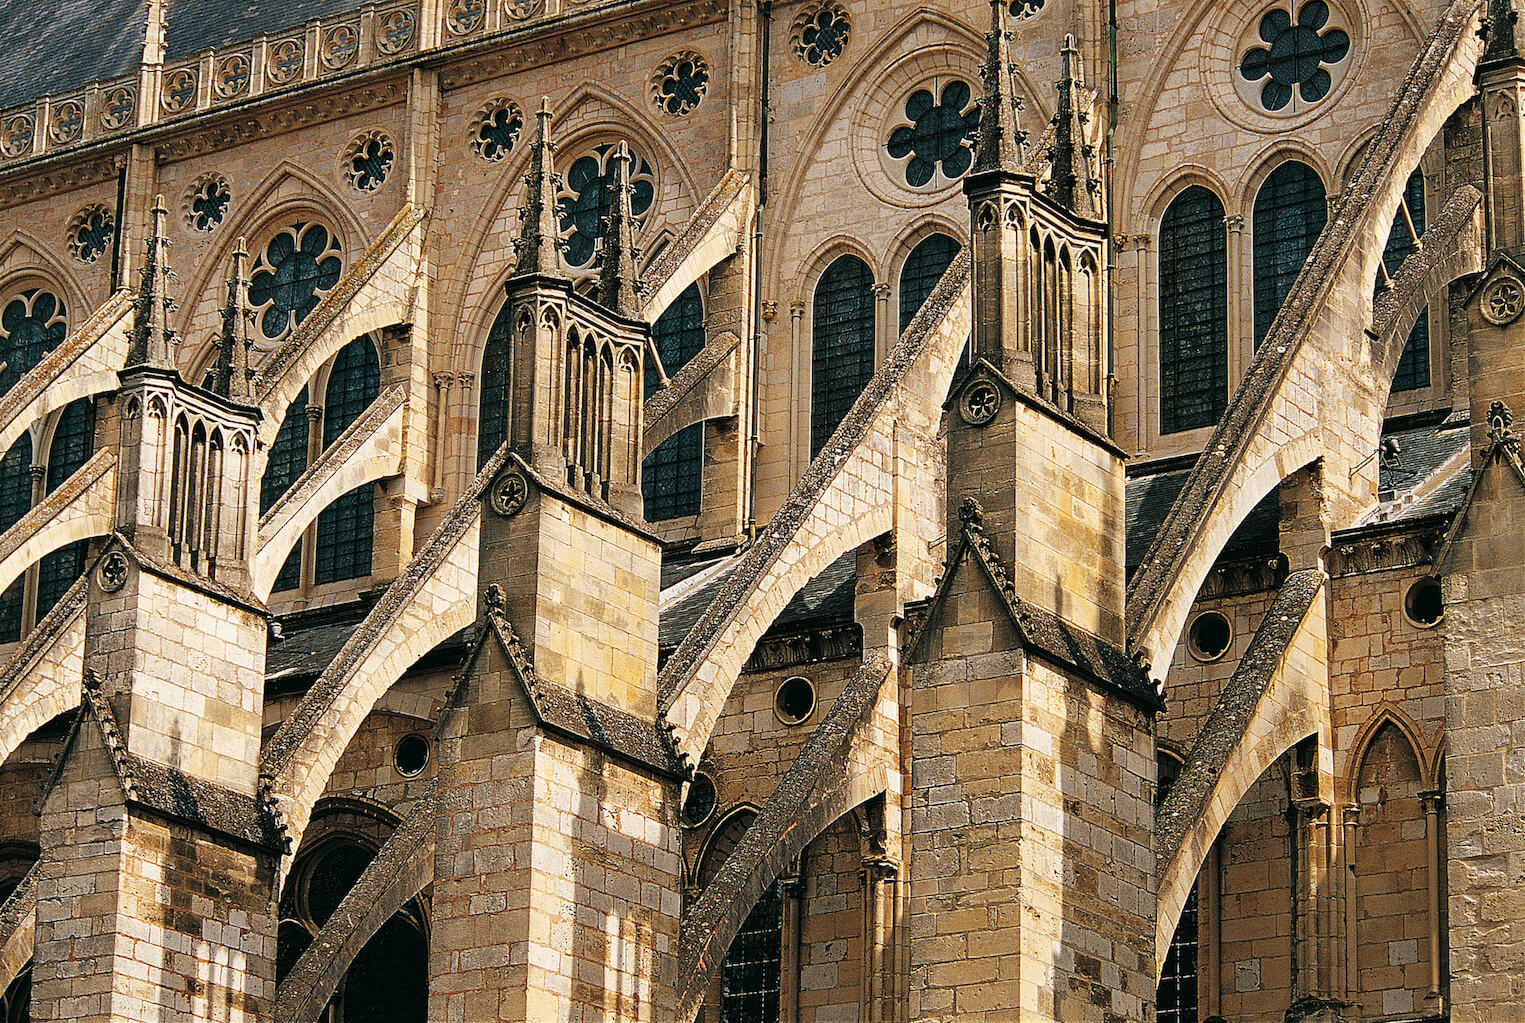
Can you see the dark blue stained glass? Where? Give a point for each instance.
(298, 266)
(288, 458)
(32, 324)
(1414, 364)
(10, 611)
(388, 982)
(210, 204)
(57, 572)
(750, 974)
(16, 482)
(346, 527)
(1294, 55)
(678, 335)
(923, 269)
(346, 530)
(1176, 997)
(499, 132)
(369, 166)
(288, 455)
(1193, 312)
(353, 383)
(584, 206)
(937, 139)
(672, 476)
(73, 441)
(1290, 211)
(493, 398)
(842, 345)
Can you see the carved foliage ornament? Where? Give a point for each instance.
(1503, 300)
(979, 403)
(820, 33)
(510, 493)
(679, 83)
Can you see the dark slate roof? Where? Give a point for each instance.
(294, 662)
(1149, 499)
(51, 50)
(826, 599)
(194, 25)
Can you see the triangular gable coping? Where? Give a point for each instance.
(1501, 263)
(163, 790)
(1039, 630)
(983, 369)
(174, 573)
(570, 494)
(1503, 446)
(560, 710)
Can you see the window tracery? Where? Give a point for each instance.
(368, 160)
(90, 233)
(298, 266)
(496, 129)
(679, 84)
(1290, 211)
(821, 32)
(937, 143)
(842, 344)
(208, 202)
(582, 207)
(32, 324)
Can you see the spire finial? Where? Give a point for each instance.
(231, 376)
(153, 341)
(617, 282)
(1500, 26)
(1001, 137)
(1071, 180)
(538, 245)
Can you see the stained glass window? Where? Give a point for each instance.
(57, 572)
(1176, 997)
(346, 527)
(1414, 364)
(16, 482)
(583, 205)
(32, 324)
(288, 457)
(73, 441)
(492, 403)
(295, 270)
(938, 138)
(672, 476)
(750, 975)
(923, 269)
(842, 345)
(1290, 211)
(1193, 312)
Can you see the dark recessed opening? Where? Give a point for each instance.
(1210, 636)
(795, 700)
(1423, 603)
(411, 755)
(700, 802)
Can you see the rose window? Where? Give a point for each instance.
(297, 268)
(680, 83)
(583, 204)
(1295, 62)
(90, 233)
(821, 34)
(367, 161)
(496, 130)
(937, 144)
(209, 203)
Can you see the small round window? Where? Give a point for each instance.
(794, 701)
(411, 754)
(1423, 604)
(699, 804)
(1210, 636)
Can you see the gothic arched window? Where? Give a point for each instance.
(672, 476)
(1290, 210)
(923, 269)
(15, 501)
(493, 396)
(1193, 312)
(749, 979)
(1175, 998)
(288, 457)
(32, 324)
(346, 528)
(388, 980)
(842, 345)
(1414, 364)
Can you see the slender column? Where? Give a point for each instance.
(310, 534)
(1434, 802)
(442, 382)
(879, 875)
(887, 331)
(1312, 920)
(1350, 816)
(792, 889)
(1210, 934)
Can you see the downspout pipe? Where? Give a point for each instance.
(754, 442)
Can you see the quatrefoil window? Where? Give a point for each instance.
(583, 204)
(937, 144)
(297, 268)
(1296, 59)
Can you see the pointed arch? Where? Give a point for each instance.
(1387, 713)
(256, 213)
(44, 266)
